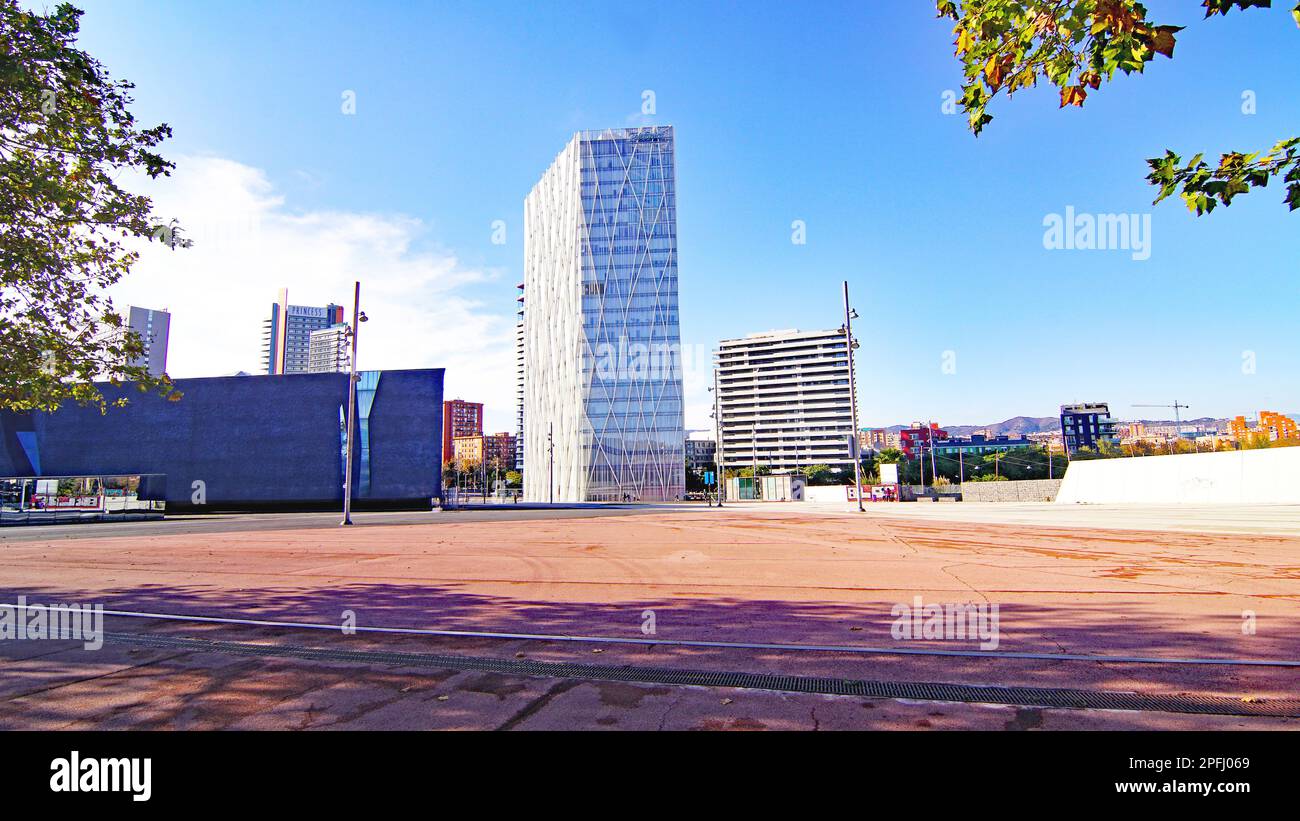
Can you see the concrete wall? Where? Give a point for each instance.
(827, 493)
(252, 440)
(1030, 490)
(1238, 477)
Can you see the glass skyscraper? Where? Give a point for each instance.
(601, 341)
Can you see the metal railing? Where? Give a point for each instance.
(32, 499)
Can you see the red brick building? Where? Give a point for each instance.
(499, 450)
(459, 418)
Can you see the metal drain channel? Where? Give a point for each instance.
(1019, 696)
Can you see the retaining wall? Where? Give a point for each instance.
(1028, 490)
(1234, 477)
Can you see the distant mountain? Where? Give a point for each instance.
(1015, 426)
(1021, 425)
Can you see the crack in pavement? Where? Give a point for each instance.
(128, 668)
(532, 707)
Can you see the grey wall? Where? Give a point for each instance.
(1029, 490)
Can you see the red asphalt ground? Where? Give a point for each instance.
(738, 576)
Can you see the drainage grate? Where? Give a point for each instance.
(916, 691)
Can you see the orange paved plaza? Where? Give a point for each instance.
(748, 575)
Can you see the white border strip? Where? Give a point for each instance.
(821, 648)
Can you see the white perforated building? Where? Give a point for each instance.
(602, 386)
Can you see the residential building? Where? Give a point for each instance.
(329, 350)
(286, 335)
(919, 438)
(1088, 425)
(602, 347)
(468, 449)
(1132, 431)
(785, 401)
(877, 439)
(1050, 439)
(153, 328)
(499, 450)
(1271, 425)
(1156, 431)
(460, 419)
(978, 444)
(1239, 428)
(701, 451)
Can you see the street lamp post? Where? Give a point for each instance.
(719, 485)
(357, 319)
(849, 313)
(934, 473)
(550, 451)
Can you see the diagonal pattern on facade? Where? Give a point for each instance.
(602, 356)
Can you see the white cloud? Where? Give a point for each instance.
(248, 244)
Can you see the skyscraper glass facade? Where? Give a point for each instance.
(602, 346)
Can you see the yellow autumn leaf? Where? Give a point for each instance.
(964, 42)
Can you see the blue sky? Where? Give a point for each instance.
(830, 113)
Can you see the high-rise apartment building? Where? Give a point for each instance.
(519, 378)
(459, 419)
(153, 328)
(1088, 425)
(329, 350)
(286, 334)
(601, 342)
(784, 400)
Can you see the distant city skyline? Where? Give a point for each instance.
(798, 168)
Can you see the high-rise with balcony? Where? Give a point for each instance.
(1088, 425)
(601, 344)
(329, 350)
(785, 401)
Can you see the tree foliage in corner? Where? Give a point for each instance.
(65, 134)
(1007, 45)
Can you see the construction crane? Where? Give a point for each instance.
(1176, 406)
(1178, 422)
